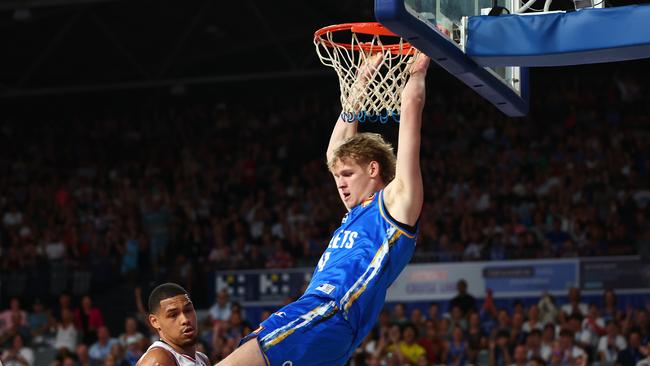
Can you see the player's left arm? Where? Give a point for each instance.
(404, 195)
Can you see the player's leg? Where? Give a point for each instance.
(248, 354)
(308, 332)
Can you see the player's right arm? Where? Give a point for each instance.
(156, 357)
(342, 129)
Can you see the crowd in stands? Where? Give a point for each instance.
(176, 192)
(186, 190)
(542, 333)
(463, 331)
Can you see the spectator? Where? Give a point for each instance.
(557, 236)
(16, 328)
(399, 315)
(65, 340)
(518, 308)
(433, 312)
(631, 355)
(535, 347)
(474, 336)
(548, 335)
(519, 356)
(517, 335)
(418, 320)
(457, 348)
(102, 347)
(610, 344)
(574, 306)
(389, 343)
(463, 300)
(610, 310)
(445, 329)
(503, 320)
(131, 334)
(536, 361)
(83, 359)
(547, 309)
(457, 318)
(117, 356)
(569, 353)
(435, 348)
(408, 347)
(11, 315)
(500, 349)
(533, 321)
(40, 321)
(18, 354)
(582, 337)
(593, 322)
(64, 303)
(88, 319)
(383, 322)
(643, 324)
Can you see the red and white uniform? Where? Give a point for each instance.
(199, 359)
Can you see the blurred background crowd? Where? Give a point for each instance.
(174, 191)
(462, 331)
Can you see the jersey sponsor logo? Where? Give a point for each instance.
(345, 219)
(344, 239)
(281, 314)
(326, 288)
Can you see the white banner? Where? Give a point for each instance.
(427, 282)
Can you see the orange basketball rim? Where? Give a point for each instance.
(324, 37)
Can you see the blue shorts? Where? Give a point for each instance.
(308, 332)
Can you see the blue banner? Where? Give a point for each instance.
(520, 279)
(437, 282)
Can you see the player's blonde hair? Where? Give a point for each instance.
(364, 148)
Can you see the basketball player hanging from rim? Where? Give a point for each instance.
(383, 195)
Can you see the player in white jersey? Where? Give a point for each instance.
(172, 314)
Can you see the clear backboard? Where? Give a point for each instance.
(438, 28)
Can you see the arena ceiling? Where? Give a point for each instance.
(72, 46)
(60, 46)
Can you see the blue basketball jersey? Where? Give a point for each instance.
(345, 295)
(363, 258)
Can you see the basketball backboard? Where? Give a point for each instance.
(437, 28)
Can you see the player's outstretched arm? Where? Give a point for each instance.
(404, 195)
(156, 357)
(342, 129)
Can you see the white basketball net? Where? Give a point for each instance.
(376, 94)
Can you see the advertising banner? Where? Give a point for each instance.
(435, 282)
(621, 273)
(423, 282)
(263, 287)
(530, 278)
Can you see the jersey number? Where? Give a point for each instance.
(323, 260)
